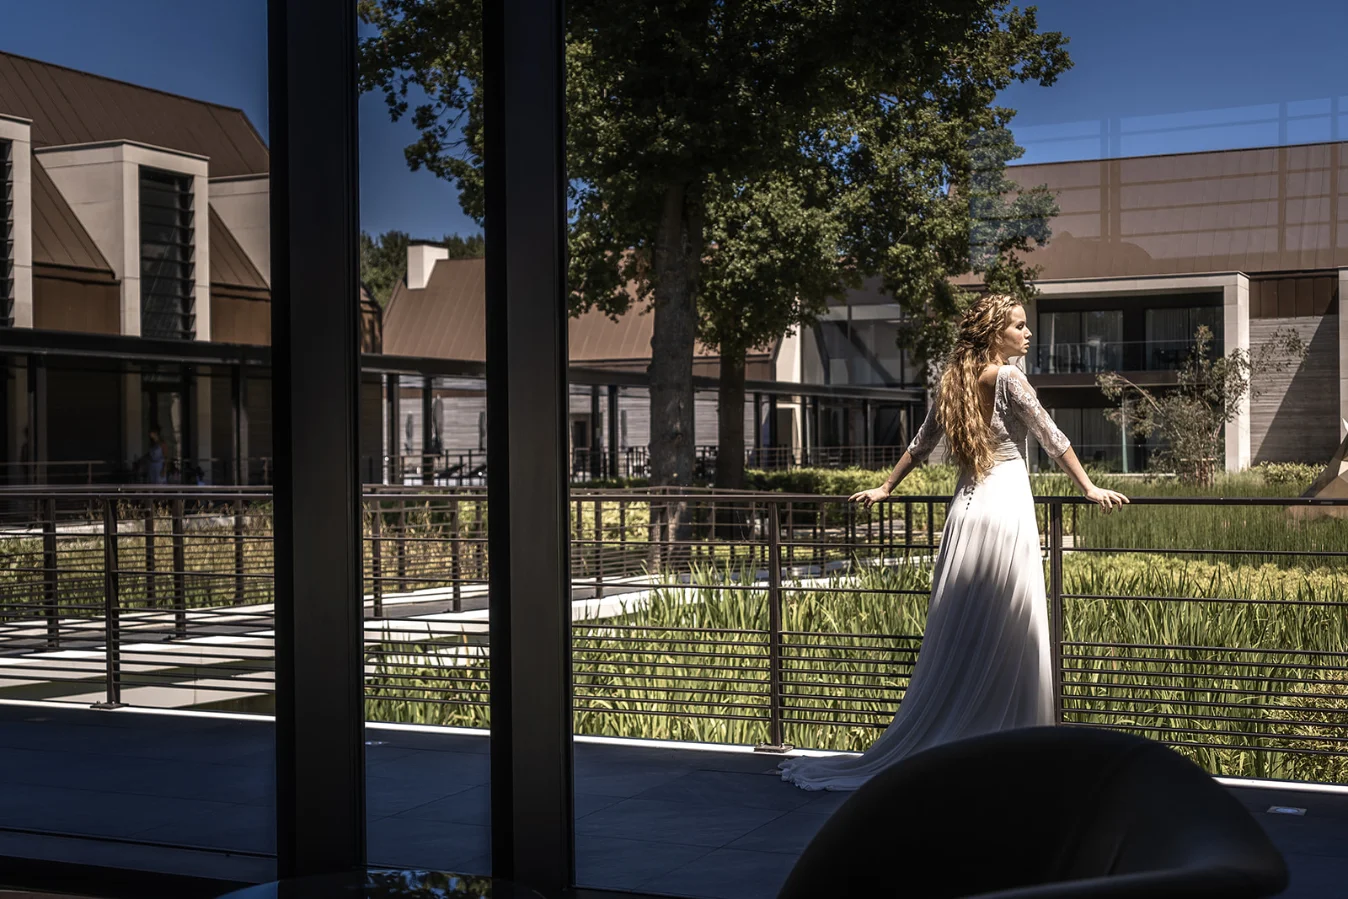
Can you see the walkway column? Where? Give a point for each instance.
(1343, 353)
(239, 469)
(613, 417)
(868, 431)
(1236, 324)
(596, 430)
(392, 448)
(758, 430)
(427, 433)
(37, 419)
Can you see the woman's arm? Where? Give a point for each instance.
(928, 435)
(1054, 441)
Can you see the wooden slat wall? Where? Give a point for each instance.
(1294, 297)
(1296, 419)
(460, 416)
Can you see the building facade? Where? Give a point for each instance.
(135, 298)
(1145, 250)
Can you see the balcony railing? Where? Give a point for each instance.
(742, 618)
(1100, 356)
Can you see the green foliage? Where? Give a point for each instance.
(1190, 418)
(1003, 222)
(383, 259)
(772, 260)
(383, 263)
(1296, 477)
(925, 480)
(664, 671)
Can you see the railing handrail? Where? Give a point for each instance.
(184, 491)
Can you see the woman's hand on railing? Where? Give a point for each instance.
(1108, 499)
(868, 498)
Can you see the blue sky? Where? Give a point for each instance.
(1151, 76)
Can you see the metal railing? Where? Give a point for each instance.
(1111, 355)
(736, 617)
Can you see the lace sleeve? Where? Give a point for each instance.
(1025, 405)
(928, 435)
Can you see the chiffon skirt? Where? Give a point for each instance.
(985, 661)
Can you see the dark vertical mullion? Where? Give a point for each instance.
(532, 826)
(320, 776)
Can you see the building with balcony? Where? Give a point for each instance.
(135, 294)
(1145, 250)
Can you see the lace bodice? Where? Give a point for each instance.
(1015, 413)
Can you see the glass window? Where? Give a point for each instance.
(1171, 333)
(167, 248)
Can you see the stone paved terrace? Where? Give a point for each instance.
(658, 818)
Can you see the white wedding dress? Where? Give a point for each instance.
(985, 661)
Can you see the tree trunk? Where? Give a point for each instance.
(730, 422)
(678, 246)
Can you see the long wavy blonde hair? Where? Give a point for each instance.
(959, 407)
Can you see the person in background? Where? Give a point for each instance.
(155, 459)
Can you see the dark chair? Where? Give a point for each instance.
(1037, 813)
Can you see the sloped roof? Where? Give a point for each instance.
(72, 107)
(1254, 210)
(448, 320)
(230, 265)
(58, 237)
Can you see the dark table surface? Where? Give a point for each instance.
(380, 884)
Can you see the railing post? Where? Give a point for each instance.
(1055, 603)
(377, 557)
(652, 535)
(112, 636)
(50, 585)
(598, 549)
(776, 727)
(456, 553)
(479, 544)
(239, 590)
(150, 596)
(179, 572)
(401, 546)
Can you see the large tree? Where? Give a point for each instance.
(673, 106)
(772, 263)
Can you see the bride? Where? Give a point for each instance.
(985, 658)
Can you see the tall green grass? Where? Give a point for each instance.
(693, 665)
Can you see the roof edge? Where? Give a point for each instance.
(122, 81)
(118, 142)
(1315, 143)
(226, 179)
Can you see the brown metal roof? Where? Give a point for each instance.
(447, 320)
(1259, 210)
(58, 237)
(230, 265)
(72, 107)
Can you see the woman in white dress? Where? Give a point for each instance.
(984, 664)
